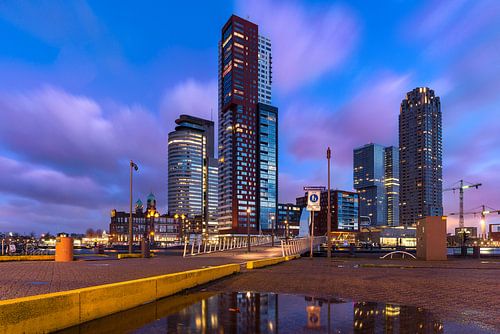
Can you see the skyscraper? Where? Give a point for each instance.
(391, 183)
(192, 171)
(420, 156)
(268, 165)
(265, 70)
(238, 121)
(248, 130)
(376, 179)
(369, 182)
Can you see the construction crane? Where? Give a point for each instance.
(461, 189)
(485, 210)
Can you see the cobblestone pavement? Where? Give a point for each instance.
(465, 291)
(20, 279)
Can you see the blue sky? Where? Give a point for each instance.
(86, 86)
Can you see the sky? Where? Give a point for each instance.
(85, 86)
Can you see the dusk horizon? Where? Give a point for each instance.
(102, 83)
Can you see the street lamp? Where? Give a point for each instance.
(286, 230)
(329, 213)
(273, 228)
(248, 229)
(130, 225)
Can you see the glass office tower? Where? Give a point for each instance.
(192, 171)
(268, 165)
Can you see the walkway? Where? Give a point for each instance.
(20, 279)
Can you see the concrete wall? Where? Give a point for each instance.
(55, 311)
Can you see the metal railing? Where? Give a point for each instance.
(300, 245)
(197, 246)
(403, 254)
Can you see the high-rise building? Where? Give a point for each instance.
(238, 120)
(420, 156)
(268, 165)
(247, 130)
(391, 183)
(192, 171)
(369, 182)
(265, 70)
(288, 219)
(376, 179)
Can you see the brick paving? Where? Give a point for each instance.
(20, 279)
(466, 291)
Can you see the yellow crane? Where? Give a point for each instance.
(485, 210)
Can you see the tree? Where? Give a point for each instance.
(90, 233)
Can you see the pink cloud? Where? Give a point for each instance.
(307, 42)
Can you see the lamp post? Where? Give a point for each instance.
(273, 228)
(329, 213)
(248, 229)
(130, 225)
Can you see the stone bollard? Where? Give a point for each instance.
(145, 248)
(64, 249)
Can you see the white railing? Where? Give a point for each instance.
(398, 252)
(300, 245)
(197, 246)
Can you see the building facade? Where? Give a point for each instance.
(288, 219)
(420, 156)
(247, 130)
(192, 171)
(265, 70)
(391, 183)
(160, 229)
(345, 211)
(268, 165)
(376, 179)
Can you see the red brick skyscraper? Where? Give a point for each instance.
(238, 122)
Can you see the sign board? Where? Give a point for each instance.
(313, 200)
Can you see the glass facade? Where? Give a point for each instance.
(192, 170)
(268, 164)
(347, 211)
(420, 156)
(376, 179)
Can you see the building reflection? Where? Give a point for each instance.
(372, 317)
(252, 312)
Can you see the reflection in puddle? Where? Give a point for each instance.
(249, 312)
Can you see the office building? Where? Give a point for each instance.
(345, 211)
(247, 130)
(192, 171)
(376, 180)
(288, 219)
(391, 184)
(268, 165)
(420, 156)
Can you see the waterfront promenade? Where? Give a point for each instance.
(21, 279)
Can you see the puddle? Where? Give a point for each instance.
(38, 283)
(252, 312)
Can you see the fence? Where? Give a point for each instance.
(197, 246)
(300, 245)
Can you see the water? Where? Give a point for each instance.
(249, 312)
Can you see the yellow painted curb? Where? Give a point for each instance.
(56, 311)
(27, 258)
(270, 262)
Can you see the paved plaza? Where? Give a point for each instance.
(20, 279)
(456, 290)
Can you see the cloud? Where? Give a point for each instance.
(306, 42)
(190, 97)
(371, 115)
